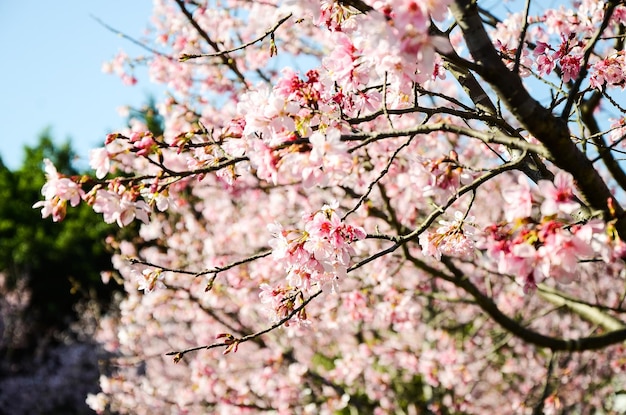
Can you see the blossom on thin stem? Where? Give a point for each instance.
(149, 279)
(451, 239)
(320, 253)
(57, 191)
(121, 206)
(559, 196)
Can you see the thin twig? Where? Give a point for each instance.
(270, 32)
(215, 270)
(377, 179)
(522, 36)
(131, 39)
(611, 5)
(179, 354)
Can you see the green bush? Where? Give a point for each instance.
(59, 264)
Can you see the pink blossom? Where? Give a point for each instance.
(346, 66)
(270, 295)
(319, 254)
(326, 144)
(57, 191)
(55, 207)
(130, 209)
(450, 240)
(99, 161)
(570, 65)
(150, 279)
(609, 71)
(106, 203)
(560, 256)
(279, 242)
(618, 130)
(519, 200)
(145, 144)
(97, 402)
(59, 186)
(265, 161)
(268, 115)
(122, 209)
(545, 64)
(559, 196)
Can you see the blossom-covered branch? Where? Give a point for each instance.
(406, 157)
(231, 343)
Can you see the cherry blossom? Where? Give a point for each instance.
(451, 238)
(120, 207)
(519, 200)
(150, 279)
(472, 259)
(100, 162)
(58, 190)
(559, 196)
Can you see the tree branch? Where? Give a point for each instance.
(226, 60)
(551, 131)
(270, 32)
(608, 12)
(231, 340)
(604, 151)
(131, 39)
(533, 167)
(586, 311)
(524, 333)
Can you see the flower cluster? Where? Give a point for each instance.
(609, 71)
(451, 239)
(320, 253)
(534, 253)
(120, 206)
(532, 249)
(58, 190)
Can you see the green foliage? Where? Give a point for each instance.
(61, 261)
(150, 116)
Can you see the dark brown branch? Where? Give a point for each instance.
(226, 60)
(551, 131)
(533, 167)
(486, 137)
(524, 333)
(587, 109)
(469, 114)
(608, 12)
(214, 271)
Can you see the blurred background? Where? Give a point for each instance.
(57, 103)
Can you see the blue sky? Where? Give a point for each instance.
(50, 72)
